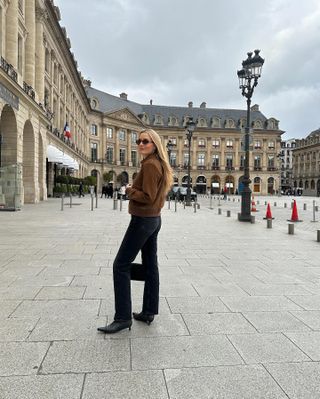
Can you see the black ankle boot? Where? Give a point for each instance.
(116, 326)
(146, 318)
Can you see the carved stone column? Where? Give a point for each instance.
(40, 55)
(12, 34)
(30, 42)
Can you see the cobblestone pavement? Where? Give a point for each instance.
(239, 308)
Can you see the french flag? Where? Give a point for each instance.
(66, 131)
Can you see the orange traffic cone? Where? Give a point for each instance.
(253, 205)
(294, 215)
(268, 213)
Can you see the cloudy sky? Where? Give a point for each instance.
(176, 51)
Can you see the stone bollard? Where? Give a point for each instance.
(265, 202)
(269, 223)
(285, 204)
(304, 207)
(219, 211)
(62, 201)
(115, 203)
(228, 214)
(290, 228)
(318, 235)
(253, 219)
(275, 204)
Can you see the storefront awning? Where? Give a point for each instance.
(57, 156)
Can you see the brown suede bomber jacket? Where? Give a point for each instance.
(144, 194)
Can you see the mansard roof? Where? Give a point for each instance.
(314, 133)
(108, 103)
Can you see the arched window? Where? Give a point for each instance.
(257, 185)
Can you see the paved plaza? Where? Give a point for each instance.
(239, 307)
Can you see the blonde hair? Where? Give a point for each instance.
(163, 157)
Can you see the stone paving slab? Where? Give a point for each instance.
(231, 293)
(87, 356)
(308, 342)
(27, 358)
(298, 380)
(267, 348)
(178, 352)
(129, 385)
(233, 382)
(67, 386)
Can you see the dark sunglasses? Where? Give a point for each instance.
(144, 141)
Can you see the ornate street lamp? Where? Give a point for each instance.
(169, 149)
(248, 80)
(190, 127)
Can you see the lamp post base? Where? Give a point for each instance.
(246, 218)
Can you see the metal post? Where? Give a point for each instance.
(115, 203)
(195, 207)
(62, 201)
(96, 200)
(70, 200)
(175, 204)
(304, 207)
(314, 211)
(211, 201)
(228, 214)
(92, 202)
(285, 204)
(318, 235)
(121, 203)
(219, 211)
(290, 228)
(168, 203)
(269, 223)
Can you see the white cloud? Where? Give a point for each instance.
(175, 51)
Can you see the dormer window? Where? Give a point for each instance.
(158, 120)
(257, 124)
(202, 122)
(173, 121)
(230, 123)
(216, 122)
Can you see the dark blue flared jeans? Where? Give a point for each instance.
(141, 235)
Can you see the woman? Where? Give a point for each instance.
(147, 196)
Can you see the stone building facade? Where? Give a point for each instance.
(42, 92)
(217, 153)
(306, 164)
(287, 165)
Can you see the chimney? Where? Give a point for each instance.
(255, 107)
(203, 105)
(150, 102)
(190, 104)
(124, 96)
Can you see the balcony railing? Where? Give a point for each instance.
(29, 90)
(214, 167)
(271, 168)
(257, 168)
(201, 167)
(9, 70)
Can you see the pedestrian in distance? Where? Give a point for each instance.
(146, 198)
(81, 190)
